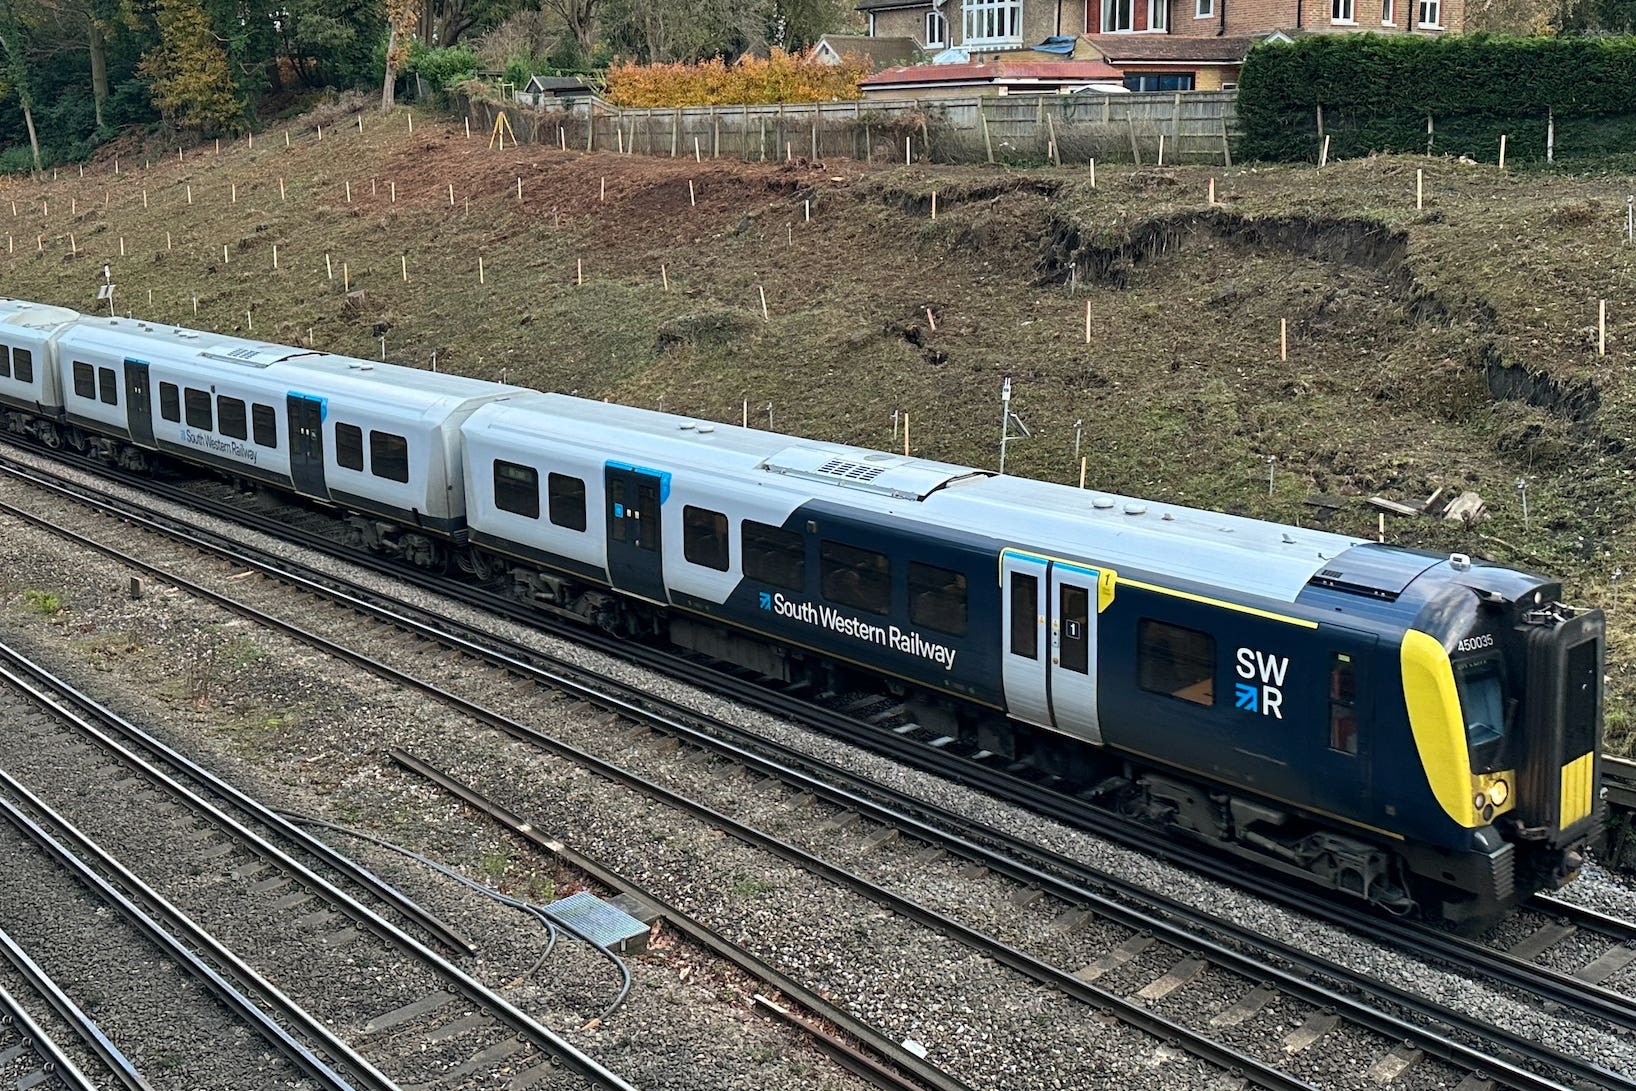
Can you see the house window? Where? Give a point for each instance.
(704, 537)
(1118, 16)
(1204, 9)
(993, 22)
(937, 28)
(1340, 11)
(1176, 662)
(1431, 13)
(1158, 14)
(1388, 13)
(1176, 81)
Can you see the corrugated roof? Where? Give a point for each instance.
(1048, 71)
(1122, 48)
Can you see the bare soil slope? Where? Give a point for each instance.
(1449, 347)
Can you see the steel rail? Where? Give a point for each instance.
(54, 1059)
(546, 1040)
(71, 860)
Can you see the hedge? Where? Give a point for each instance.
(1377, 92)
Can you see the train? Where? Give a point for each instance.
(1421, 732)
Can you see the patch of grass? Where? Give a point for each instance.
(44, 603)
(752, 887)
(492, 866)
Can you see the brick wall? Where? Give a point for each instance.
(907, 23)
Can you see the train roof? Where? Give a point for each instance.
(1122, 532)
(37, 317)
(301, 370)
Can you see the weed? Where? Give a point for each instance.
(750, 888)
(44, 603)
(492, 866)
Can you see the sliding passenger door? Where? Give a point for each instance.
(1072, 602)
(139, 403)
(635, 550)
(306, 432)
(1050, 642)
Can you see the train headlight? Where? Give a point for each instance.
(1479, 801)
(1499, 792)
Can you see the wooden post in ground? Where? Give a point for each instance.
(1601, 326)
(934, 204)
(481, 276)
(1419, 188)
(346, 278)
(1283, 339)
(1502, 151)
(1093, 173)
(404, 258)
(988, 139)
(664, 277)
(579, 270)
(1135, 152)
(329, 270)
(765, 316)
(1087, 321)
(1212, 191)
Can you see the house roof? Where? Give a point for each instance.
(1038, 71)
(887, 5)
(557, 83)
(1127, 48)
(879, 52)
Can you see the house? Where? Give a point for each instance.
(1001, 77)
(977, 30)
(1170, 62)
(878, 53)
(562, 90)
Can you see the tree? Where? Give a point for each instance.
(401, 18)
(579, 16)
(14, 74)
(189, 74)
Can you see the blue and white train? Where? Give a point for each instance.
(1420, 731)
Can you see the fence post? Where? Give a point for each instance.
(988, 141)
(744, 135)
(1135, 152)
(1226, 145)
(1176, 128)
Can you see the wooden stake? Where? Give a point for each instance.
(481, 277)
(286, 138)
(72, 248)
(234, 199)
(122, 246)
(224, 255)
(905, 435)
(664, 277)
(1082, 461)
(1212, 191)
(320, 132)
(604, 196)
(1283, 339)
(744, 416)
(281, 196)
(392, 187)
(451, 194)
(275, 255)
(1323, 153)
(809, 210)
(252, 136)
(765, 317)
(349, 192)
(404, 260)
(468, 127)
(579, 270)
(908, 150)
(1419, 188)
(789, 152)
(519, 187)
(40, 240)
(698, 155)
(329, 270)
(1161, 149)
(360, 124)
(195, 306)
(1601, 325)
(346, 278)
(934, 204)
(249, 322)
(1087, 321)
(218, 147)
(692, 197)
(930, 320)
(190, 193)
(1502, 151)
(167, 242)
(411, 121)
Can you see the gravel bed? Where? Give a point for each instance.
(62, 1035)
(1357, 951)
(122, 981)
(300, 731)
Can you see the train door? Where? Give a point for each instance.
(635, 547)
(306, 434)
(1072, 601)
(138, 403)
(1050, 642)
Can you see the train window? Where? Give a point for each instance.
(855, 577)
(1074, 629)
(85, 380)
(389, 456)
(517, 489)
(567, 498)
(937, 598)
(5, 362)
(704, 538)
(170, 402)
(1343, 699)
(349, 447)
(197, 405)
(22, 365)
(264, 425)
(230, 417)
(774, 555)
(1175, 661)
(108, 383)
(1025, 618)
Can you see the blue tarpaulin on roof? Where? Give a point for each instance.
(1056, 44)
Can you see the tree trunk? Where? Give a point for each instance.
(389, 86)
(33, 137)
(99, 68)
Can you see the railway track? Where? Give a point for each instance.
(1150, 926)
(260, 914)
(29, 1055)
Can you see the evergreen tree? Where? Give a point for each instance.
(189, 75)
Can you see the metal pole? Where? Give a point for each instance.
(1005, 418)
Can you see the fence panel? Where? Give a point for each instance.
(1185, 127)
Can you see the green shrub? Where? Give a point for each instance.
(1377, 92)
(443, 68)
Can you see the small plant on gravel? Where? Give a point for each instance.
(493, 866)
(749, 888)
(201, 668)
(540, 890)
(44, 603)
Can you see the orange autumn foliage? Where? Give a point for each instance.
(782, 77)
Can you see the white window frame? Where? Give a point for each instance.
(1110, 16)
(1343, 12)
(1204, 9)
(1158, 16)
(939, 37)
(1388, 13)
(991, 22)
(1435, 9)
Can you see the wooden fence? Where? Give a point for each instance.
(1168, 127)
